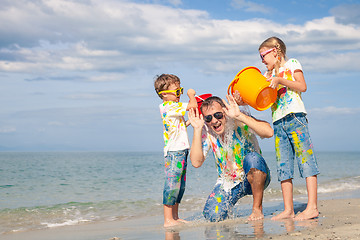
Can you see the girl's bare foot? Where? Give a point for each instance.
(284, 215)
(307, 214)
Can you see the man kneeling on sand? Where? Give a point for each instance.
(241, 169)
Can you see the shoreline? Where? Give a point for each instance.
(339, 219)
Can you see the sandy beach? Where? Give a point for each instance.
(339, 219)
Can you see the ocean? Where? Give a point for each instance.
(40, 190)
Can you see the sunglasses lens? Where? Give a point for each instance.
(179, 92)
(218, 115)
(208, 118)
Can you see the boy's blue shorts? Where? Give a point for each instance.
(175, 176)
(292, 140)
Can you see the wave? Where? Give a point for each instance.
(340, 185)
(73, 213)
(66, 223)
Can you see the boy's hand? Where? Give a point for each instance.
(192, 100)
(196, 119)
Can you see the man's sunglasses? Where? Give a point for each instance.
(217, 115)
(177, 92)
(264, 53)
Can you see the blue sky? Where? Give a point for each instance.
(78, 75)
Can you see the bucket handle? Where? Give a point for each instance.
(234, 81)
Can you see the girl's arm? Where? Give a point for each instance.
(298, 84)
(261, 128)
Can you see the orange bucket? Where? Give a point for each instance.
(253, 88)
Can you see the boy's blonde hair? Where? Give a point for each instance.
(163, 82)
(279, 45)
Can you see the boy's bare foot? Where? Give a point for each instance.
(171, 223)
(256, 215)
(284, 215)
(307, 214)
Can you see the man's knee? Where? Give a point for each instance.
(256, 161)
(255, 174)
(256, 170)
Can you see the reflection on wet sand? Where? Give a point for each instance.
(244, 230)
(172, 235)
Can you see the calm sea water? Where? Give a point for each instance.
(43, 190)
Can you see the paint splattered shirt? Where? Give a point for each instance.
(175, 135)
(288, 100)
(229, 155)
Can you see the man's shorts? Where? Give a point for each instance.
(220, 202)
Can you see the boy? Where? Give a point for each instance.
(176, 149)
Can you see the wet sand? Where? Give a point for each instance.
(339, 219)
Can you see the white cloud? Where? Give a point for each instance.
(331, 110)
(175, 2)
(87, 96)
(55, 123)
(107, 77)
(119, 36)
(93, 61)
(347, 13)
(96, 95)
(250, 6)
(7, 129)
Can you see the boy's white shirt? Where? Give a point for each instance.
(175, 134)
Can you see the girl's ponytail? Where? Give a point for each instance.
(278, 60)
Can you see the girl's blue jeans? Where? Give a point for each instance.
(292, 140)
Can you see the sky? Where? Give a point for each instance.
(77, 75)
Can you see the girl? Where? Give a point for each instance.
(292, 139)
